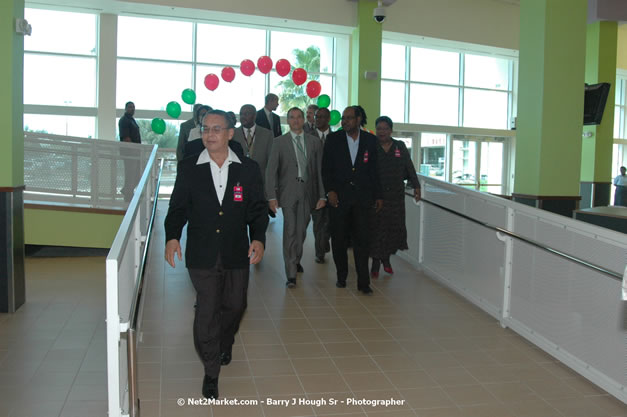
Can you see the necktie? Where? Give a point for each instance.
(249, 141)
(302, 158)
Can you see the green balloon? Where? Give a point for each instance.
(158, 125)
(335, 117)
(324, 101)
(189, 96)
(173, 109)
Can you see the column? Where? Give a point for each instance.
(12, 288)
(596, 155)
(550, 104)
(366, 57)
(107, 71)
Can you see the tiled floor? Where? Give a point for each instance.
(413, 341)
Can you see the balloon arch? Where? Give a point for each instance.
(247, 68)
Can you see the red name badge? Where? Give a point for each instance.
(238, 193)
(366, 157)
(397, 153)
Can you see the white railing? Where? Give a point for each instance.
(78, 171)
(508, 259)
(124, 268)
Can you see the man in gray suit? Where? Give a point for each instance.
(255, 140)
(294, 183)
(310, 123)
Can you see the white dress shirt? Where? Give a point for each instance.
(353, 147)
(220, 175)
(323, 135)
(269, 116)
(621, 180)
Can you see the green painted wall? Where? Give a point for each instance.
(67, 228)
(11, 95)
(596, 157)
(366, 56)
(550, 101)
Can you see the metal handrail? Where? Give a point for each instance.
(134, 409)
(534, 243)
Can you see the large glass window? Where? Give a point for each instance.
(620, 128)
(235, 44)
(313, 53)
(79, 126)
(446, 87)
(60, 69)
(434, 105)
(151, 85)
(154, 38)
(393, 95)
(59, 80)
(433, 66)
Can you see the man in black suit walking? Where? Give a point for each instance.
(221, 196)
(266, 116)
(349, 174)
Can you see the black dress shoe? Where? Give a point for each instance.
(366, 290)
(340, 284)
(210, 387)
(319, 259)
(299, 268)
(291, 283)
(225, 358)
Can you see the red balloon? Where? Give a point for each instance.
(299, 76)
(211, 81)
(283, 67)
(247, 67)
(228, 74)
(313, 89)
(264, 64)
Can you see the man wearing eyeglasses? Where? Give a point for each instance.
(220, 196)
(294, 182)
(349, 173)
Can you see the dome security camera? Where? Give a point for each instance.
(379, 14)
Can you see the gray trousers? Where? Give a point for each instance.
(295, 221)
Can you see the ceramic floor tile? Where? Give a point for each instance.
(413, 341)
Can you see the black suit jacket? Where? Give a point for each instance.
(353, 184)
(262, 120)
(214, 228)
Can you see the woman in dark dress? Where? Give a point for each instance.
(388, 225)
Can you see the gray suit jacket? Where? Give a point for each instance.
(262, 145)
(282, 171)
(310, 130)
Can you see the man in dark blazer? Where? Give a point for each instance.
(320, 217)
(266, 116)
(220, 196)
(184, 130)
(349, 172)
(294, 183)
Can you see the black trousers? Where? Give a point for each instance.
(221, 299)
(132, 172)
(350, 220)
(321, 230)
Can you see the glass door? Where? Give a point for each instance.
(464, 163)
(491, 178)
